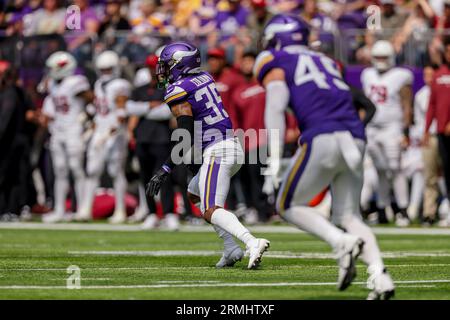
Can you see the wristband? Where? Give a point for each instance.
(166, 168)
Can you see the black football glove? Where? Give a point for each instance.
(155, 183)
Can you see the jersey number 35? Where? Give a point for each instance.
(213, 99)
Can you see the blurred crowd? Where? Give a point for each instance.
(228, 34)
(236, 24)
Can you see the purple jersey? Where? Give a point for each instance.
(319, 98)
(199, 90)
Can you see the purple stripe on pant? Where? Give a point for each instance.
(212, 177)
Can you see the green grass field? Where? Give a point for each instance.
(162, 265)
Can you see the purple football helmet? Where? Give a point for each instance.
(176, 60)
(285, 30)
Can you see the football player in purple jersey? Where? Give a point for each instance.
(193, 99)
(331, 148)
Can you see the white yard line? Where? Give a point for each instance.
(188, 228)
(270, 254)
(210, 267)
(205, 285)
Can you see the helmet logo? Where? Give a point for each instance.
(62, 63)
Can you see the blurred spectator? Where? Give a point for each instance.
(415, 29)
(184, 10)
(154, 18)
(349, 13)
(439, 110)
(79, 44)
(231, 18)
(112, 22)
(256, 21)
(284, 6)
(20, 6)
(14, 143)
(443, 21)
(430, 152)
(49, 19)
(391, 18)
(437, 6)
(202, 21)
(363, 54)
(248, 100)
(226, 77)
(442, 25)
(322, 25)
(15, 25)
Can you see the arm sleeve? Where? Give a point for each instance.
(362, 102)
(277, 100)
(137, 108)
(159, 113)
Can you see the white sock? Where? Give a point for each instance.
(371, 254)
(400, 187)
(61, 189)
(383, 198)
(309, 220)
(417, 187)
(228, 240)
(120, 186)
(79, 188)
(230, 223)
(90, 186)
(142, 200)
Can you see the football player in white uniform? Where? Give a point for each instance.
(390, 89)
(108, 144)
(64, 112)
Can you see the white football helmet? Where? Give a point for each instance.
(108, 60)
(61, 64)
(383, 55)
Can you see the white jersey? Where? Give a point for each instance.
(384, 91)
(421, 101)
(106, 92)
(64, 106)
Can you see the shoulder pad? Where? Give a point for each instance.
(78, 84)
(174, 93)
(262, 64)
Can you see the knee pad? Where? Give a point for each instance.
(114, 168)
(94, 168)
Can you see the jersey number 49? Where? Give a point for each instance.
(308, 70)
